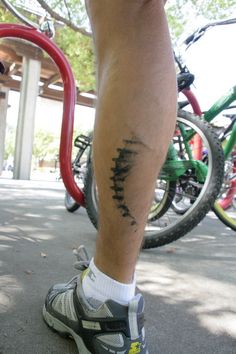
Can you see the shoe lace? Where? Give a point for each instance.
(82, 257)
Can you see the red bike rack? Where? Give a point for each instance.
(197, 141)
(40, 39)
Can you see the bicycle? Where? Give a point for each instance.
(163, 225)
(79, 168)
(224, 207)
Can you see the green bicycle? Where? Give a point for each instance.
(202, 183)
(225, 206)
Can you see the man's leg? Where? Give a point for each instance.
(135, 120)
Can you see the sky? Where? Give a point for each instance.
(212, 59)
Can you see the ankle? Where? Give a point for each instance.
(100, 286)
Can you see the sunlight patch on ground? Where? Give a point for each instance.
(4, 247)
(25, 232)
(197, 239)
(29, 215)
(56, 207)
(8, 229)
(7, 238)
(43, 237)
(224, 322)
(209, 300)
(212, 216)
(9, 287)
(54, 218)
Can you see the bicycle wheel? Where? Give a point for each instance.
(180, 204)
(163, 197)
(202, 191)
(164, 194)
(228, 217)
(79, 173)
(225, 206)
(70, 204)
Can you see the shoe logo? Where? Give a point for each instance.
(135, 348)
(91, 325)
(84, 273)
(91, 275)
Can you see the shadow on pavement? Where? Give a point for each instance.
(189, 286)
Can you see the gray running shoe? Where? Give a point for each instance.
(97, 328)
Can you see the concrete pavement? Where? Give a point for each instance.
(189, 286)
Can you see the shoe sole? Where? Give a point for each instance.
(64, 331)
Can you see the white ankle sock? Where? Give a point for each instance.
(99, 286)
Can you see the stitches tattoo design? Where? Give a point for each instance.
(123, 164)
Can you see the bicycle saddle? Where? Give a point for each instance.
(184, 80)
(2, 68)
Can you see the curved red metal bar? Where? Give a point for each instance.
(197, 141)
(40, 39)
(193, 101)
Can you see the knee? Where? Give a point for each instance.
(120, 8)
(117, 16)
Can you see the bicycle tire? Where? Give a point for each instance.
(224, 216)
(157, 209)
(70, 204)
(179, 207)
(204, 201)
(227, 213)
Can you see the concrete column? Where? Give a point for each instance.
(3, 122)
(26, 118)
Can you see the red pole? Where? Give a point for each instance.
(40, 39)
(197, 141)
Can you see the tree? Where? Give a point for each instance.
(45, 145)
(183, 15)
(74, 36)
(73, 39)
(180, 12)
(9, 142)
(78, 49)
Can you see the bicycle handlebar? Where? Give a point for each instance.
(46, 26)
(196, 35)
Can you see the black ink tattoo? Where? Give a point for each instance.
(123, 165)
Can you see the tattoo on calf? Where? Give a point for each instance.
(123, 165)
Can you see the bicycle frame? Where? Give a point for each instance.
(217, 108)
(221, 104)
(40, 39)
(231, 142)
(228, 146)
